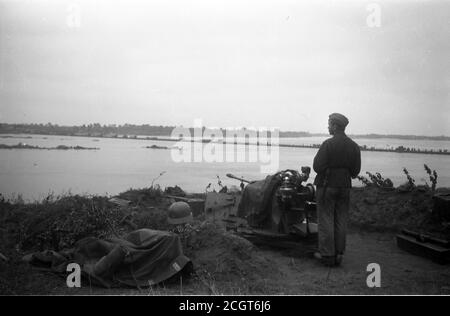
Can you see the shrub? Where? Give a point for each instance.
(60, 223)
(376, 180)
(411, 181)
(433, 177)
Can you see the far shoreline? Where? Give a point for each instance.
(94, 129)
(399, 149)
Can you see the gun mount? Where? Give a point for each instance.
(281, 207)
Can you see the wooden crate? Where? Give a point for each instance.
(422, 245)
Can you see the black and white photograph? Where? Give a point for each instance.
(224, 152)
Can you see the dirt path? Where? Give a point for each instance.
(401, 273)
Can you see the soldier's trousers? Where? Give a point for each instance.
(332, 208)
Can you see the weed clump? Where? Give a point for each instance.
(376, 180)
(59, 222)
(433, 178)
(56, 224)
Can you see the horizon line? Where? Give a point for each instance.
(221, 128)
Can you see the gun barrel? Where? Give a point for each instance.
(229, 175)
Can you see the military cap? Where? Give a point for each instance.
(338, 119)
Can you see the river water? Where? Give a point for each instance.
(121, 164)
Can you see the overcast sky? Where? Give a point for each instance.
(231, 63)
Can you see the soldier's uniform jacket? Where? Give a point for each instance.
(337, 161)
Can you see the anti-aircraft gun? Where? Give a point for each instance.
(280, 207)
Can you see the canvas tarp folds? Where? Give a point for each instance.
(256, 201)
(149, 257)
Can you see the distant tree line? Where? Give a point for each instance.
(111, 130)
(403, 149)
(396, 136)
(95, 129)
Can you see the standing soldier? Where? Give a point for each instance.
(337, 161)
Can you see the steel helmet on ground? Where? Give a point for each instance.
(179, 213)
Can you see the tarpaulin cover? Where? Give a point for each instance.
(149, 257)
(256, 201)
